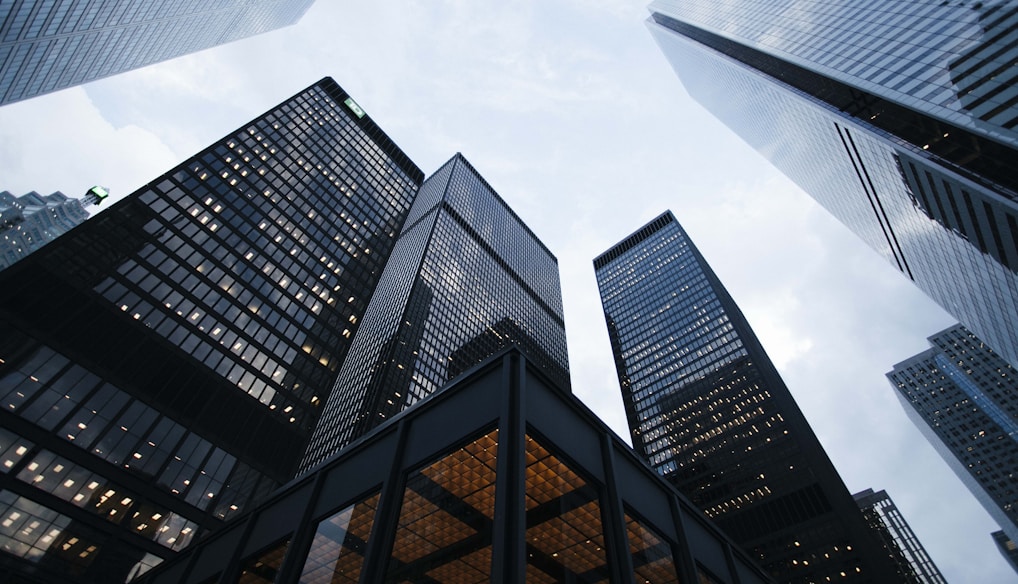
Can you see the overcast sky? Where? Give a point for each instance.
(572, 114)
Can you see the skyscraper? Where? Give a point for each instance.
(708, 410)
(163, 364)
(899, 117)
(914, 564)
(46, 46)
(467, 278)
(964, 398)
(32, 220)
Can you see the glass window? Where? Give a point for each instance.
(445, 522)
(337, 552)
(40, 535)
(565, 539)
(12, 449)
(262, 568)
(652, 555)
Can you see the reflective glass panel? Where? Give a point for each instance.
(262, 568)
(565, 539)
(43, 536)
(445, 523)
(337, 552)
(652, 555)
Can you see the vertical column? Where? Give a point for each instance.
(687, 566)
(376, 556)
(289, 571)
(620, 561)
(508, 563)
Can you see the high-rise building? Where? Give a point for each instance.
(708, 410)
(884, 517)
(467, 278)
(46, 46)
(500, 477)
(964, 398)
(1008, 548)
(900, 117)
(163, 364)
(31, 221)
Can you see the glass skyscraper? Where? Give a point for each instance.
(467, 278)
(884, 516)
(52, 44)
(32, 220)
(708, 410)
(899, 117)
(162, 365)
(964, 398)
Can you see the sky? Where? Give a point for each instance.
(572, 114)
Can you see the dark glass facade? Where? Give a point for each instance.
(32, 220)
(708, 410)
(466, 279)
(163, 365)
(1007, 548)
(964, 398)
(53, 44)
(900, 118)
(500, 477)
(884, 517)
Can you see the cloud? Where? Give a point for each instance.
(61, 142)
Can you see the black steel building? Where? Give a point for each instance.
(467, 278)
(900, 117)
(708, 410)
(499, 477)
(884, 517)
(163, 365)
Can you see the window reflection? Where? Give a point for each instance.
(337, 552)
(652, 555)
(445, 522)
(263, 567)
(565, 541)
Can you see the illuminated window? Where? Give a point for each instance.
(262, 568)
(445, 523)
(652, 555)
(565, 541)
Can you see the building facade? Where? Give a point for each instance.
(708, 410)
(31, 221)
(900, 118)
(467, 278)
(499, 477)
(162, 365)
(1007, 548)
(884, 517)
(46, 46)
(964, 398)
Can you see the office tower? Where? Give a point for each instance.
(899, 117)
(1007, 548)
(964, 398)
(913, 563)
(467, 278)
(31, 221)
(50, 45)
(163, 364)
(708, 410)
(501, 477)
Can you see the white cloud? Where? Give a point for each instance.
(61, 142)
